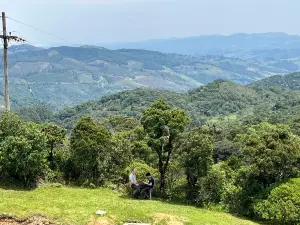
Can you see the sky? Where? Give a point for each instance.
(109, 21)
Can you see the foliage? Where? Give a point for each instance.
(269, 154)
(163, 125)
(196, 152)
(39, 113)
(90, 147)
(272, 152)
(220, 102)
(212, 186)
(282, 205)
(55, 136)
(22, 150)
(120, 155)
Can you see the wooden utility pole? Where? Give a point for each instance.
(7, 38)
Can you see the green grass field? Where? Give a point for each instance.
(78, 206)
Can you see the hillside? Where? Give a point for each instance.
(290, 81)
(66, 76)
(219, 98)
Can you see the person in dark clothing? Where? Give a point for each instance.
(147, 187)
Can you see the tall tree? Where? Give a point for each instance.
(163, 125)
(90, 146)
(55, 135)
(196, 156)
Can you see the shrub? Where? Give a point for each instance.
(282, 206)
(22, 150)
(177, 191)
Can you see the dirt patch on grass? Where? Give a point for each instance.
(167, 219)
(100, 221)
(35, 220)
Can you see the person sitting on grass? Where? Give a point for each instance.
(147, 187)
(134, 184)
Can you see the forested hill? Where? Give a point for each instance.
(290, 81)
(217, 99)
(67, 76)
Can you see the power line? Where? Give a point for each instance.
(38, 29)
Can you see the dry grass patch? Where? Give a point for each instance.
(167, 219)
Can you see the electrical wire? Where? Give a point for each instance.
(45, 32)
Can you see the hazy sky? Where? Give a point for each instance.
(107, 21)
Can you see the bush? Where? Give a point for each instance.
(177, 192)
(282, 206)
(22, 150)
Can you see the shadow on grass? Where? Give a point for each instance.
(15, 186)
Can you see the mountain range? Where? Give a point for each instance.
(263, 45)
(66, 76)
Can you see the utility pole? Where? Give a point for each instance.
(7, 38)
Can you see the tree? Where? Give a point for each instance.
(269, 154)
(282, 205)
(196, 153)
(163, 125)
(271, 151)
(55, 136)
(90, 147)
(38, 113)
(22, 149)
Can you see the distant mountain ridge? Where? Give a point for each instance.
(217, 44)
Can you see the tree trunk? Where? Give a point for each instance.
(162, 182)
(51, 157)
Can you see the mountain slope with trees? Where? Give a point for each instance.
(217, 99)
(289, 81)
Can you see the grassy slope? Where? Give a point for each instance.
(77, 206)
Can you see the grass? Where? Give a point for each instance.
(78, 206)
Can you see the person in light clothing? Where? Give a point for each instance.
(134, 184)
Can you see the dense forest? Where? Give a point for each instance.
(221, 145)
